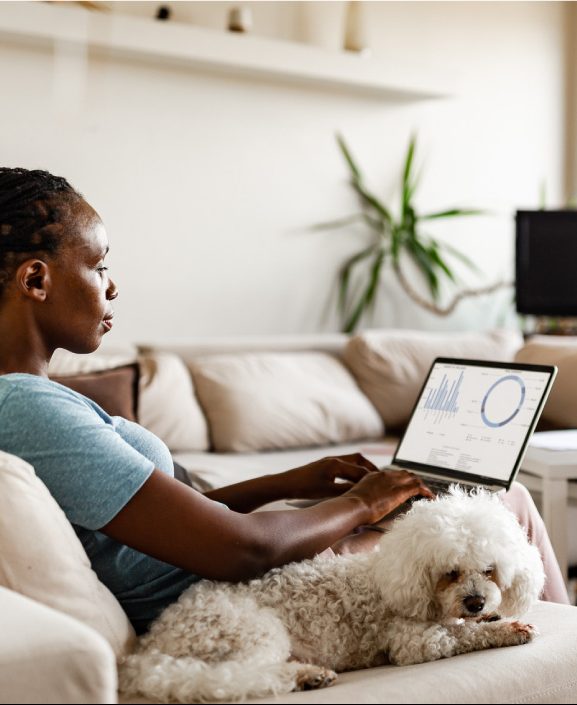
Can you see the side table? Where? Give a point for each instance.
(549, 472)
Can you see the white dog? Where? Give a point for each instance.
(442, 580)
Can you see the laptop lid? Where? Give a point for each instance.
(473, 419)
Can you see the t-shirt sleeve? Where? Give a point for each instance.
(87, 466)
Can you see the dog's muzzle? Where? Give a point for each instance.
(474, 603)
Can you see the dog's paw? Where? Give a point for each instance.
(517, 633)
(311, 677)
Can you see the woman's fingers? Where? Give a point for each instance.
(359, 460)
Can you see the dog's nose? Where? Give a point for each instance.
(474, 603)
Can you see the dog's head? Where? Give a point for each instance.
(458, 557)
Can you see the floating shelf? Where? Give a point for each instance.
(203, 49)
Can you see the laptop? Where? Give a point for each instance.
(472, 422)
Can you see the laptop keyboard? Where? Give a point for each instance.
(438, 486)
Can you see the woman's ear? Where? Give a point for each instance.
(33, 279)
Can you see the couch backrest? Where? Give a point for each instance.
(385, 367)
(332, 343)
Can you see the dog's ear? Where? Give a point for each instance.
(522, 582)
(404, 580)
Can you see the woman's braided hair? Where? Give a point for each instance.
(33, 205)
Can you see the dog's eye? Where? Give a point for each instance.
(489, 572)
(453, 576)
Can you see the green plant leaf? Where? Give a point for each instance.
(408, 187)
(348, 157)
(357, 183)
(451, 213)
(440, 262)
(458, 254)
(339, 223)
(422, 258)
(345, 273)
(368, 295)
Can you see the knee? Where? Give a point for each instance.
(520, 492)
(519, 499)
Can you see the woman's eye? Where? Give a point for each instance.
(102, 269)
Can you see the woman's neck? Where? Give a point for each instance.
(22, 348)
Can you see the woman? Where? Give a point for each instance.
(148, 536)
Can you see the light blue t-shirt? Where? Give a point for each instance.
(93, 464)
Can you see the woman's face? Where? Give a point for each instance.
(77, 312)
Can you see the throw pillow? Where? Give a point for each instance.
(115, 390)
(261, 401)
(561, 408)
(42, 557)
(167, 403)
(390, 366)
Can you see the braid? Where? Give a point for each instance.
(31, 211)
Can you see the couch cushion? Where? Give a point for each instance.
(259, 401)
(212, 470)
(42, 557)
(167, 403)
(540, 672)
(390, 366)
(561, 408)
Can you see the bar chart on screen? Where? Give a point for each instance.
(441, 399)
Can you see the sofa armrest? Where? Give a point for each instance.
(49, 657)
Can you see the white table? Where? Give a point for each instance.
(549, 472)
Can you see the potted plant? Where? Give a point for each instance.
(395, 238)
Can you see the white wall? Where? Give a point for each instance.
(207, 184)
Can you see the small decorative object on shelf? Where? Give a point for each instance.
(355, 34)
(163, 12)
(239, 19)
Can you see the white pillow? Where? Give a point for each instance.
(390, 366)
(167, 404)
(41, 556)
(260, 401)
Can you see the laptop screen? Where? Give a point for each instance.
(473, 419)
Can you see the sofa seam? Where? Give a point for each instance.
(537, 694)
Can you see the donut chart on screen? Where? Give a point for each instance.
(503, 401)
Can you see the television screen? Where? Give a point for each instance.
(546, 263)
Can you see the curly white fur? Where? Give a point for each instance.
(442, 580)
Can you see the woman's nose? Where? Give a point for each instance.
(112, 291)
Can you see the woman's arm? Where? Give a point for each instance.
(328, 477)
(180, 526)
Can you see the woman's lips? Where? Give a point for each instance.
(107, 323)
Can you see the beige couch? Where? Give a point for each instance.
(230, 410)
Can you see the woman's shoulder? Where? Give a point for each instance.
(20, 388)
(23, 382)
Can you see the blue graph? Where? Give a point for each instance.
(444, 398)
(516, 403)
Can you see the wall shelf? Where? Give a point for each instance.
(171, 43)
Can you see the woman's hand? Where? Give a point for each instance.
(318, 480)
(383, 492)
